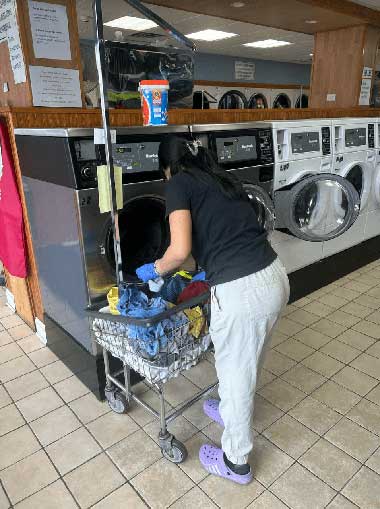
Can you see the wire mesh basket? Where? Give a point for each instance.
(160, 347)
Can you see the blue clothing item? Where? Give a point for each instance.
(172, 288)
(200, 277)
(147, 272)
(135, 304)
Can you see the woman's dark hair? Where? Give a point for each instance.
(184, 155)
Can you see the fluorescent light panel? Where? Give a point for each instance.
(268, 43)
(210, 35)
(131, 23)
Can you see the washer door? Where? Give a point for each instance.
(302, 101)
(233, 100)
(263, 206)
(144, 234)
(282, 101)
(376, 187)
(258, 102)
(318, 208)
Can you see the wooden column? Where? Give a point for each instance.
(339, 58)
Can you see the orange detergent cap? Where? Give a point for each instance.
(154, 82)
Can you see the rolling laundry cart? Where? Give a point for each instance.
(159, 347)
(182, 342)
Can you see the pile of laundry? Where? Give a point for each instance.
(155, 342)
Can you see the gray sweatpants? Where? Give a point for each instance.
(243, 315)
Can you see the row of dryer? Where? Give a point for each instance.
(251, 98)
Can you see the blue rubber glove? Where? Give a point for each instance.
(147, 272)
(200, 277)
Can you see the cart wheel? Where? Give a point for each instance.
(116, 401)
(175, 451)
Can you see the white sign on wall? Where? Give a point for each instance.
(244, 71)
(365, 92)
(50, 30)
(55, 87)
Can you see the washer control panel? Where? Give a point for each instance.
(136, 157)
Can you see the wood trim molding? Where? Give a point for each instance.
(239, 84)
(63, 118)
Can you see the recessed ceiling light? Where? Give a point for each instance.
(210, 35)
(311, 54)
(268, 43)
(131, 23)
(311, 21)
(238, 5)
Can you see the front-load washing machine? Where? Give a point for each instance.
(246, 150)
(73, 241)
(372, 228)
(354, 161)
(304, 189)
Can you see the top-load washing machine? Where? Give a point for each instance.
(372, 228)
(73, 241)
(304, 188)
(354, 161)
(246, 150)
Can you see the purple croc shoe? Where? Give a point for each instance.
(213, 461)
(211, 409)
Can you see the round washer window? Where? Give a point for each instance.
(144, 234)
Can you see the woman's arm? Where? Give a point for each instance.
(180, 242)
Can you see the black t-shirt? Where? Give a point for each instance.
(228, 242)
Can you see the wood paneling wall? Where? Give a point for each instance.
(21, 95)
(26, 291)
(337, 67)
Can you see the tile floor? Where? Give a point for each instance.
(316, 425)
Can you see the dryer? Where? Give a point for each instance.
(372, 228)
(304, 188)
(302, 100)
(73, 241)
(282, 99)
(258, 98)
(233, 100)
(354, 161)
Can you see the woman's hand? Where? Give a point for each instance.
(147, 272)
(180, 242)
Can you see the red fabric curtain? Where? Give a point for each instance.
(12, 237)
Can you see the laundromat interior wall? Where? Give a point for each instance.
(222, 68)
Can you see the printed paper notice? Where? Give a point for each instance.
(50, 30)
(365, 92)
(16, 56)
(244, 71)
(55, 88)
(7, 17)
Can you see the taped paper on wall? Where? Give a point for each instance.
(7, 17)
(55, 87)
(50, 30)
(16, 55)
